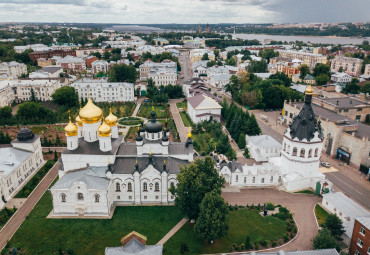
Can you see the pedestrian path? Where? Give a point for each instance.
(172, 231)
(139, 102)
(181, 129)
(328, 170)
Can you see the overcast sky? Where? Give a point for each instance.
(185, 11)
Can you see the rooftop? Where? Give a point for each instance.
(343, 102)
(346, 205)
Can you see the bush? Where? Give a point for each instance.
(283, 209)
(263, 243)
(286, 238)
(248, 244)
(270, 207)
(273, 243)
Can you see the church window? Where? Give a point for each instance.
(316, 152)
(145, 186)
(279, 178)
(236, 178)
(302, 153)
(64, 198)
(310, 153)
(156, 186)
(145, 197)
(80, 196)
(245, 179)
(263, 180)
(254, 179)
(295, 150)
(153, 136)
(272, 179)
(129, 197)
(97, 197)
(172, 185)
(172, 197)
(118, 187)
(129, 186)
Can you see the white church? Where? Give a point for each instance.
(295, 167)
(99, 170)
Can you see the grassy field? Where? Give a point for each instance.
(162, 111)
(39, 130)
(183, 105)
(242, 223)
(320, 214)
(186, 119)
(38, 235)
(204, 142)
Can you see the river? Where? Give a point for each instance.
(307, 39)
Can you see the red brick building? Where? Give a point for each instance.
(360, 242)
(51, 53)
(89, 61)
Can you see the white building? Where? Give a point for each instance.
(34, 47)
(341, 78)
(18, 163)
(220, 80)
(216, 70)
(351, 66)
(345, 208)
(298, 166)
(163, 76)
(203, 108)
(149, 65)
(103, 91)
(47, 72)
(6, 94)
(262, 147)
(13, 69)
(154, 50)
(100, 66)
(197, 55)
(99, 170)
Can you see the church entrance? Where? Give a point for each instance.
(227, 178)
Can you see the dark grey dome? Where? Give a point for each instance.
(25, 134)
(153, 127)
(165, 139)
(139, 138)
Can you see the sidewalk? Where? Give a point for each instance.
(172, 231)
(138, 104)
(181, 129)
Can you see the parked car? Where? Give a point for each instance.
(326, 164)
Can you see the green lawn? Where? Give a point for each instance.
(38, 235)
(320, 214)
(39, 130)
(162, 111)
(186, 119)
(242, 223)
(183, 105)
(204, 142)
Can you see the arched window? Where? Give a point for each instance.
(245, 179)
(316, 152)
(129, 186)
(97, 197)
(302, 153)
(145, 186)
(310, 153)
(295, 150)
(153, 136)
(118, 187)
(80, 196)
(64, 198)
(272, 179)
(263, 180)
(172, 185)
(236, 178)
(254, 179)
(156, 186)
(279, 179)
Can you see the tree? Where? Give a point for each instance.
(55, 155)
(352, 88)
(341, 69)
(252, 99)
(304, 70)
(321, 69)
(257, 66)
(7, 139)
(322, 79)
(241, 141)
(5, 115)
(122, 73)
(324, 240)
(65, 96)
(106, 55)
(33, 97)
(283, 77)
(194, 181)
(96, 54)
(268, 54)
(212, 223)
(205, 56)
(364, 89)
(335, 226)
(252, 126)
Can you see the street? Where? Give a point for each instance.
(186, 67)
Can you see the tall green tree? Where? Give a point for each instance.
(33, 97)
(122, 73)
(321, 69)
(241, 141)
(335, 226)
(268, 54)
(324, 240)
(65, 96)
(212, 223)
(205, 56)
(252, 126)
(304, 70)
(194, 182)
(257, 66)
(283, 77)
(322, 79)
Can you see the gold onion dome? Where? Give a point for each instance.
(104, 130)
(189, 133)
(111, 120)
(78, 121)
(309, 90)
(90, 113)
(71, 129)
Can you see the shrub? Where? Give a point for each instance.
(295, 230)
(273, 243)
(248, 243)
(238, 248)
(280, 243)
(291, 235)
(257, 246)
(286, 238)
(234, 245)
(270, 206)
(242, 246)
(283, 210)
(263, 243)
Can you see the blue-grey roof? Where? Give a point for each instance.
(135, 247)
(11, 158)
(345, 204)
(93, 177)
(310, 252)
(264, 140)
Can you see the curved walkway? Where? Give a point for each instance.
(301, 205)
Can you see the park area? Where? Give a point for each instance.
(320, 214)
(162, 111)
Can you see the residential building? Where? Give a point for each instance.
(163, 76)
(342, 78)
(351, 107)
(195, 43)
(134, 243)
(112, 172)
(220, 80)
(47, 72)
(149, 65)
(89, 60)
(216, 70)
(351, 66)
(100, 66)
(307, 58)
(43, 62)
(154, 50)
(103, 91)
(18, 163)
(367, 70)
(72, 64)
(345, 139)
(51, 53)
(13, 69)
(309, 79)
(197, 55)
(360, 241)
(346, 209)
(203, 108)
(195, 87)
(262, 147)
(87, 51)
(160, 41)
(6, 93)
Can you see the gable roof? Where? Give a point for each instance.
(203, 102)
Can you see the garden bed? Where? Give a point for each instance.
(162, 111)
(130, 121)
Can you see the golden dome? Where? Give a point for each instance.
(78, 121)
(90, 113)
(309, 90)
(189, 133)
(111, 120)
(104, 130)
(71, 129)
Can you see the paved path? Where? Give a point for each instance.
(181, 129)
(14, 223)
(301, 205)
(172, 231)
(138, 104)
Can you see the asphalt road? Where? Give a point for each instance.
(186, 67)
